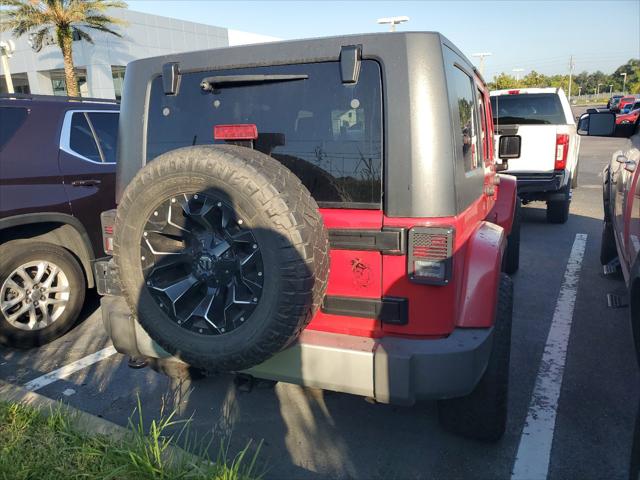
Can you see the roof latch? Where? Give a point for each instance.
(350, 60)
(170, 78)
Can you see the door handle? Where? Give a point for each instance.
(85, 183)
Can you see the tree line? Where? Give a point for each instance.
(584, 82)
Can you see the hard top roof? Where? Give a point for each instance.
(304, 50)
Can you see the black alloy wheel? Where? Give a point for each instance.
(201, 264)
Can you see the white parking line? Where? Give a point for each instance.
(534, 451)
(69, 369)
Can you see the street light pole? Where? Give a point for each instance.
(517, 72)
(610, 90)
(624, 81)
(392, 22)
(571, 65)
(6, 52)
(481, 55)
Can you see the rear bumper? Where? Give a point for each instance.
(540, 182)
(390, 370)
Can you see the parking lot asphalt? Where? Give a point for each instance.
(308, 433)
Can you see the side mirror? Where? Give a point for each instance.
(597, 124)
(509, 147)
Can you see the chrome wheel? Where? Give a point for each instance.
(34, 295)
(201, 264)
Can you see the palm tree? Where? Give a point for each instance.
(66, 18)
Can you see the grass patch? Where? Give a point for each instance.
(42, 447)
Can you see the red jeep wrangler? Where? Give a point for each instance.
(322, 212)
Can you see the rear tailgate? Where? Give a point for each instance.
(538, 149)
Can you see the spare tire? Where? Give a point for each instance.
(222, 255)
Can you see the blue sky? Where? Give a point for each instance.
(520, 34)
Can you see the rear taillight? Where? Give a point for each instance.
(430, 255)
(108, 221)
(562, 148)
(514, 92)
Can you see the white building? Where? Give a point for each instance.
(100, 66)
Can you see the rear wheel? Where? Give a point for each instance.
(42, 290)
(558, 210)
(482, 415)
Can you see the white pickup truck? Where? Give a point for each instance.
(547, 167)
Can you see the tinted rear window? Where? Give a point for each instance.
(328, 133)
(106, 127)
(528, 108)
(11, 119)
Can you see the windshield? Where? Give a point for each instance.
(528, 109)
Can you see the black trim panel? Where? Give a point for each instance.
(390, 310)
(389, 241)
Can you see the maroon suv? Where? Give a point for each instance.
(621, 197)
(57, 171)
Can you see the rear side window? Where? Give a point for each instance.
(81, 138)
(461, 90)
(11, 119)
(528, 109)
(328, 133)
(105, 126)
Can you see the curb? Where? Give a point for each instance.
(81, 421)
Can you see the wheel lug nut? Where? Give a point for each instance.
(43, 298)
(219, 204)
(255, 246)
(240, 222)
(155, 214)
(259, 274)
(195, 196)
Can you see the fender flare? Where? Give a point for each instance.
(86, 257)
(503, 210)
(482, 266)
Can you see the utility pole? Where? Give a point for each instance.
(518, 71)
(481, 55)
(6, 52)
(571, 65)
(624, 81)
(610, 90)
(598, 89)
(579, 90)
